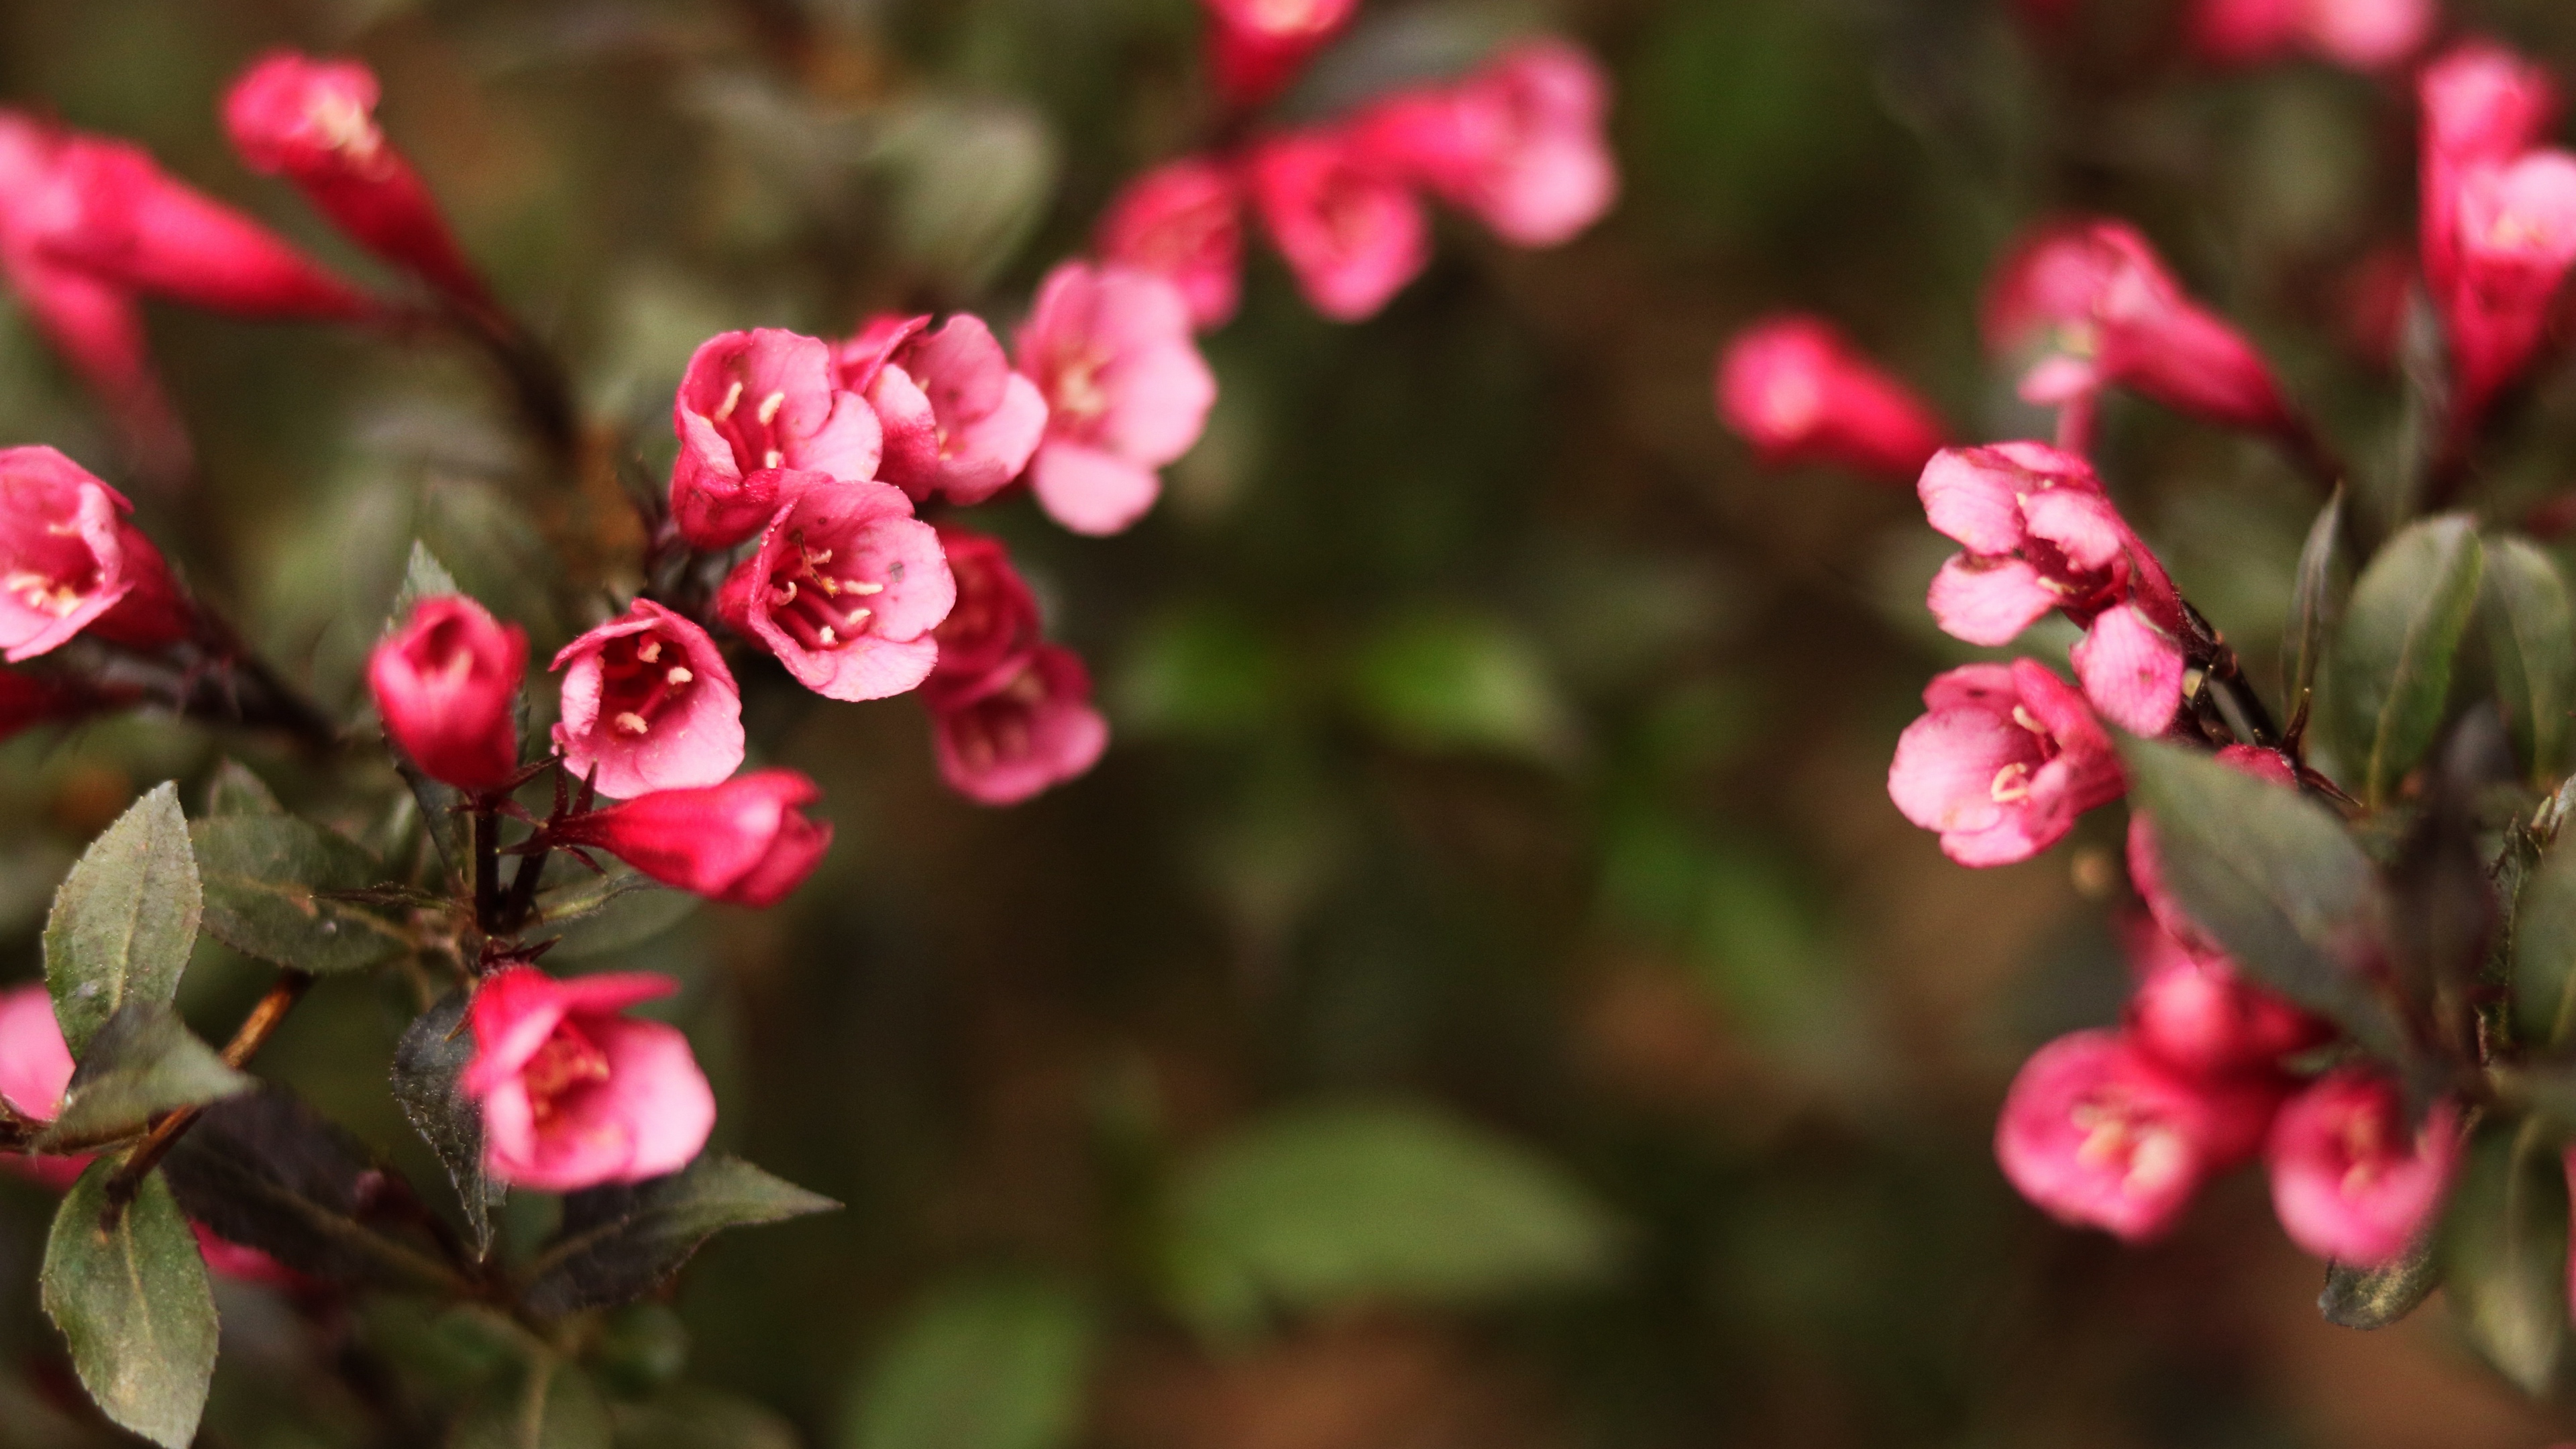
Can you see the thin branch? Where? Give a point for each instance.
(253, 1034)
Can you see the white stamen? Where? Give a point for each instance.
(632, 723)
(733, 396)
(826, 637)
(678, 675)
(769, 407)
(861, 589)
(772, 458)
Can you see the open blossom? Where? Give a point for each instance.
(314, 123)
(447, 684)
(2195, 1014)
(844, 588)
(71, 563)
(2100, 1134)
(2365, 35)
(1352, 230)
(2146, 860)
(2483, 106)
(575, 1093)
(745, 842)
(1257, 47)
(2516, 243)
(2349, 1181)
(2040, 534)
(1520, 145)
(2097, 305)
(994, 624)
(648, 704)
(753, 403)
(1183, 222)
(1126, 389)
(1025, 728)
(957, 421)
(1797, 390)
(2002, 764)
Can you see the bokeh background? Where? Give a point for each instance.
(1485, 999)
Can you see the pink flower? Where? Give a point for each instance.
(574, 1093)
(2483, 106)
(844, 588)
(108, 209)
(447, 685)
(1352, 231)
(994, 625)
(2347, 1182)
(1126, 389)
(1257, 47)
(27, 700)
(2041, 535)
(2364, 35)
(1183, 222)
(1520, 144)
(2516, 242)
(957, 420)
(745, 842)
(2146, 860)
(71, 563)
(35, 1071)
(2003, 763)
(313, 122)
(2099, 1134)
(648, 704)
(1797, 390)
(2096, 302)
(1027, 729)
(2195, 1014)
(751, 404)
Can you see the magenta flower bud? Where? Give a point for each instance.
(35, 1063)
(2483, 106)
(2006, 759)
(2516, 242)
(1352, 230)
(2194, 1013)
(107, 208)
(1030, 728)
(2098, 1134)
(2094, 302)
(648, 704)
(1521, 145)
(1126, 389)
(71, 563)
(1256, 48)
(844, 588)
(574, 1093)
(751, 404)
(1183, 222)
(2349, 1182)
(2146, 861)
(1795, 389)
(745, 842)
(992, 628)
(2363, 35)
(447, 684)
(314, 123)
(957, 420)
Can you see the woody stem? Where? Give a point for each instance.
(253, 1034)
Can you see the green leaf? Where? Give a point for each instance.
(601, 915)
(429, 1061)
(619, 1243)
(2544, 949)
(424, 577)
(991, 1363)
(2504, 1246)
(142, 1063)
(2275, 877)
(236, 791)
(1334, 1204)
(263, 874)
(2401, 633)
(2374, 1298)
(125, 918)
(133, 1302)
(2531, 639)
(543, 1404)
(2315, 603)
(1444, 682)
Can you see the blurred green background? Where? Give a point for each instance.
(1485, 997)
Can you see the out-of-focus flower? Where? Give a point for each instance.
(2040, 535)
(1026, 729)
(2098, 307)
(35, 1070)
(2348, 1181)
(2364, 35)
(574, 1093)
(1521, 145)
(844, 588)
(1126, 389)
(2146, 860)
(313, 122)
(957, 420)
(1351, 228)
(2483, 106)
(1256, 48)
(2003, 762)
(994, 624)
(447, 684)
(2097, 1133)
(1183, 222)
(751, 404)
(27, 700)
(2194, 1013)
(648, 704)
(2516, 242)
(1797, 390)
(745, 842)
(70, 562)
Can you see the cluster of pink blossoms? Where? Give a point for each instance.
(1519, 145)
(2362, 35)
(2118, 1129)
